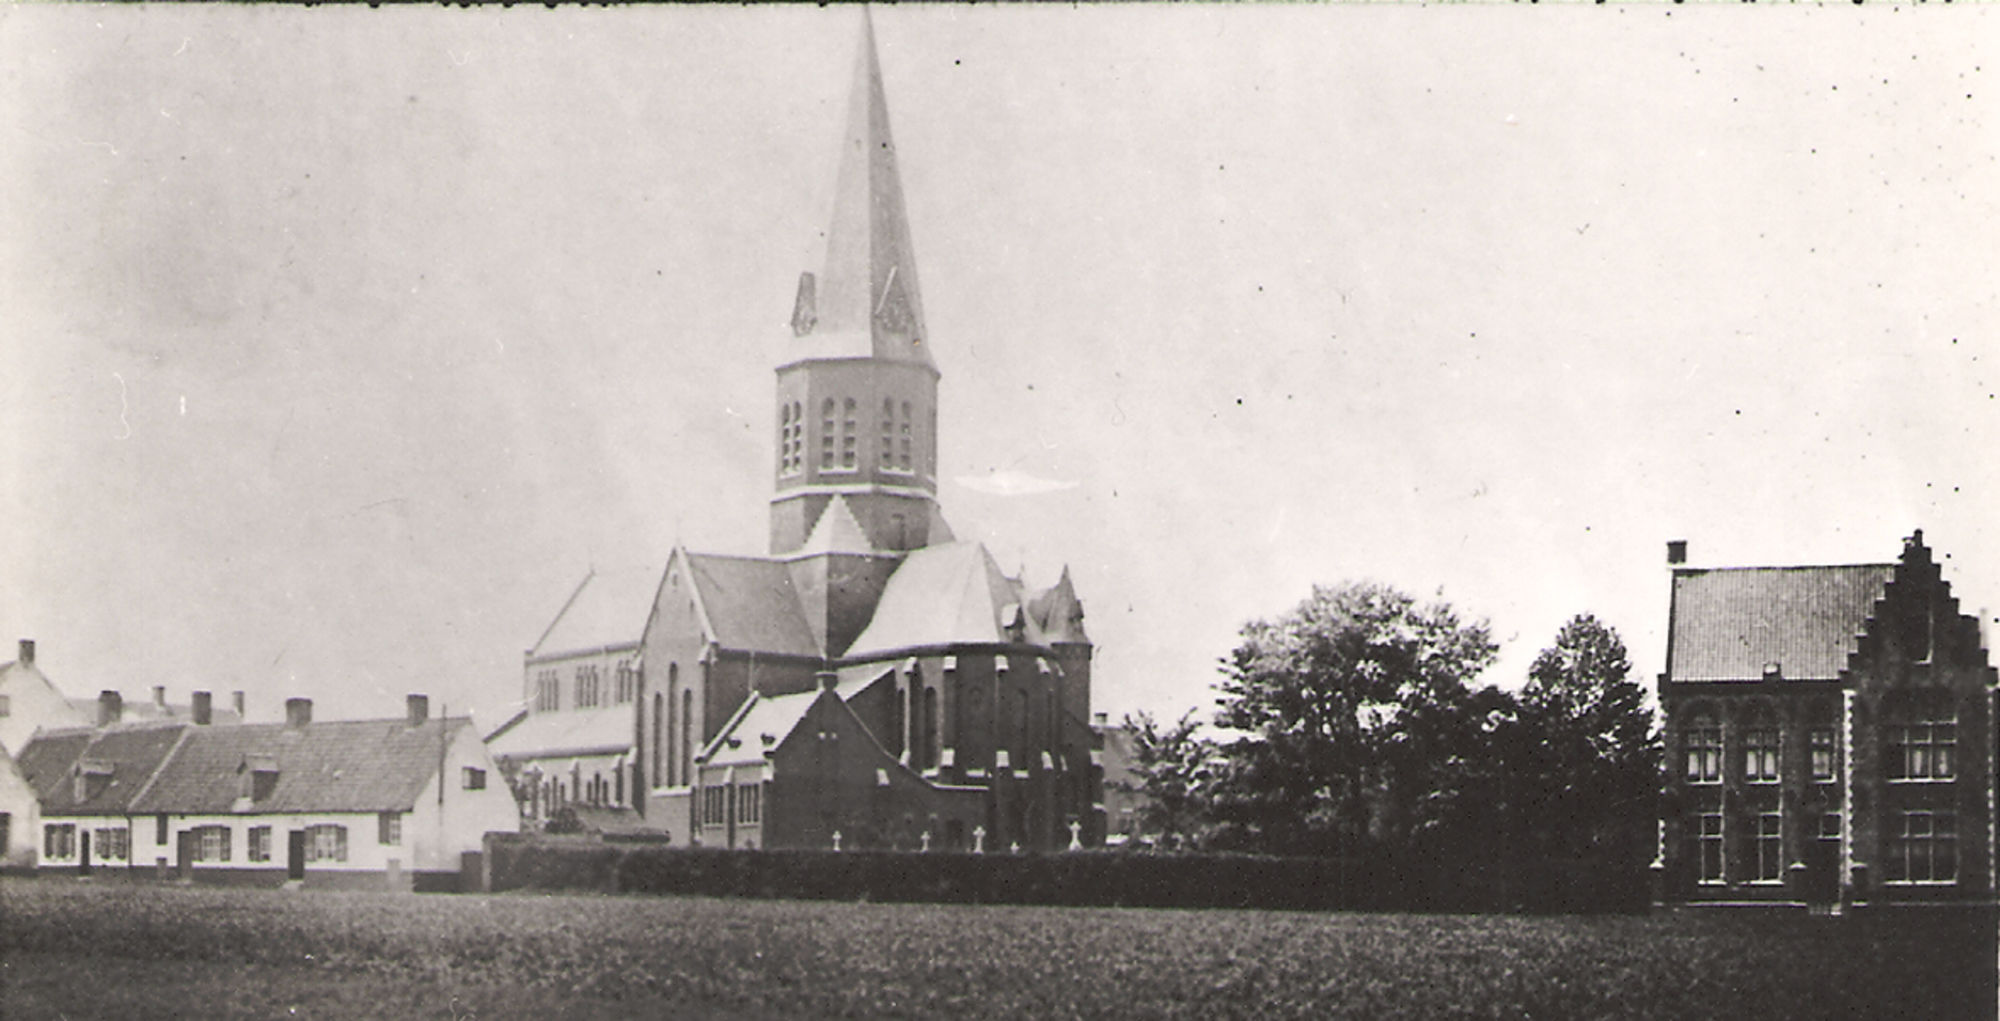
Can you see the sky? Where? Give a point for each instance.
(337, 344)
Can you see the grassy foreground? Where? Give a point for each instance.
(75, 950)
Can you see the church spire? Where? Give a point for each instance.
(865, 302)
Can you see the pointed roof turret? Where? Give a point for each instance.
(865, 301)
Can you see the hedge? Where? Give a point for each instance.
(1100, 878)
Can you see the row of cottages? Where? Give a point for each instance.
(870, 683)
(366, 803)
(1830, 735)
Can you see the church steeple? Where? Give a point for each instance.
(857, 388)
(865, 301)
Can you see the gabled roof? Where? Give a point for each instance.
(131, 755)
(566, 733)
(836, 531)
(763, 722)
(1728, 624)
(336, 766)
(750, 605)
(950, 594)
(609, 607)
(1058, 611)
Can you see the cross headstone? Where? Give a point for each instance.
(836, 840)
(927, 841)
(1075, 836)
(1014, 848)
(979, 840)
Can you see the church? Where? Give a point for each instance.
(870, 682)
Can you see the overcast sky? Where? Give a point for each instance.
(336, 344)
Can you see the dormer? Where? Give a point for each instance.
(259, 775)
(90, 779)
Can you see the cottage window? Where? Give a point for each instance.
(1770, 847)
(1708, 851)
(59, 840)
(260, 843)
(112, 844)
(1825, 754)
(1922, 750)
(474, 779)
(1760, 755)
(1924, 849)
(389, 829)
(1704, 753)
(211, 843)
(160, 829)
(326, 842)
(749, 804)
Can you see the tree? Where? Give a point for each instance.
(1592, 773)
(1355, 707)
(1172, 765)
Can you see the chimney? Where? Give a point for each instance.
(160, 695)
(237, 698)
(204, 708)
(27, 657)
(110, 706)
(420, 709)
(1677, 552)
(1100, 719)
(298, 712)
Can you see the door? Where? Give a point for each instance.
(295, 855)
(184, 849)
(82, 852)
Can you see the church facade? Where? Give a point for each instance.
(870, 682)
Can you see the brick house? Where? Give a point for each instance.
(1829, 736)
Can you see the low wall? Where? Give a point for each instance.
(1077, 878)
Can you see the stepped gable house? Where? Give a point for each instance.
(871, 682)
(1829, 736)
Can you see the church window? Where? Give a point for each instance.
(849, 442)
(927, 729)
(548, 691)
(887, 454)
(659, 731)
(687, 736)
(673, 725)
(589, 690)
(903, 460)
(749, 804)
(826, 434)
(791, 439)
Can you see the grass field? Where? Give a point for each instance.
(81, 950)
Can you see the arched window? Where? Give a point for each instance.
(899, 709)
(903, 455)
(887, 453)
(687, 736)
(849, 442)
(673, 732)
(659, 730)
(826, 434)
(928, 729)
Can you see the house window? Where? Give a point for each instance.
(211, 843)
(1825, 753)
(160, 829)
(113, 844)
(260, 843)
(1760, 755)
(1922, 750)
(1770, 847)
(389, 828)
(59, 840)
(749, 804)
(1709, 847)
(326, 842)
(1924, 849)
(475, 778)
(1704, 753)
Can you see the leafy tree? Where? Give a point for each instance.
(1357, 716)
(1592, 772)
(1173, 768)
